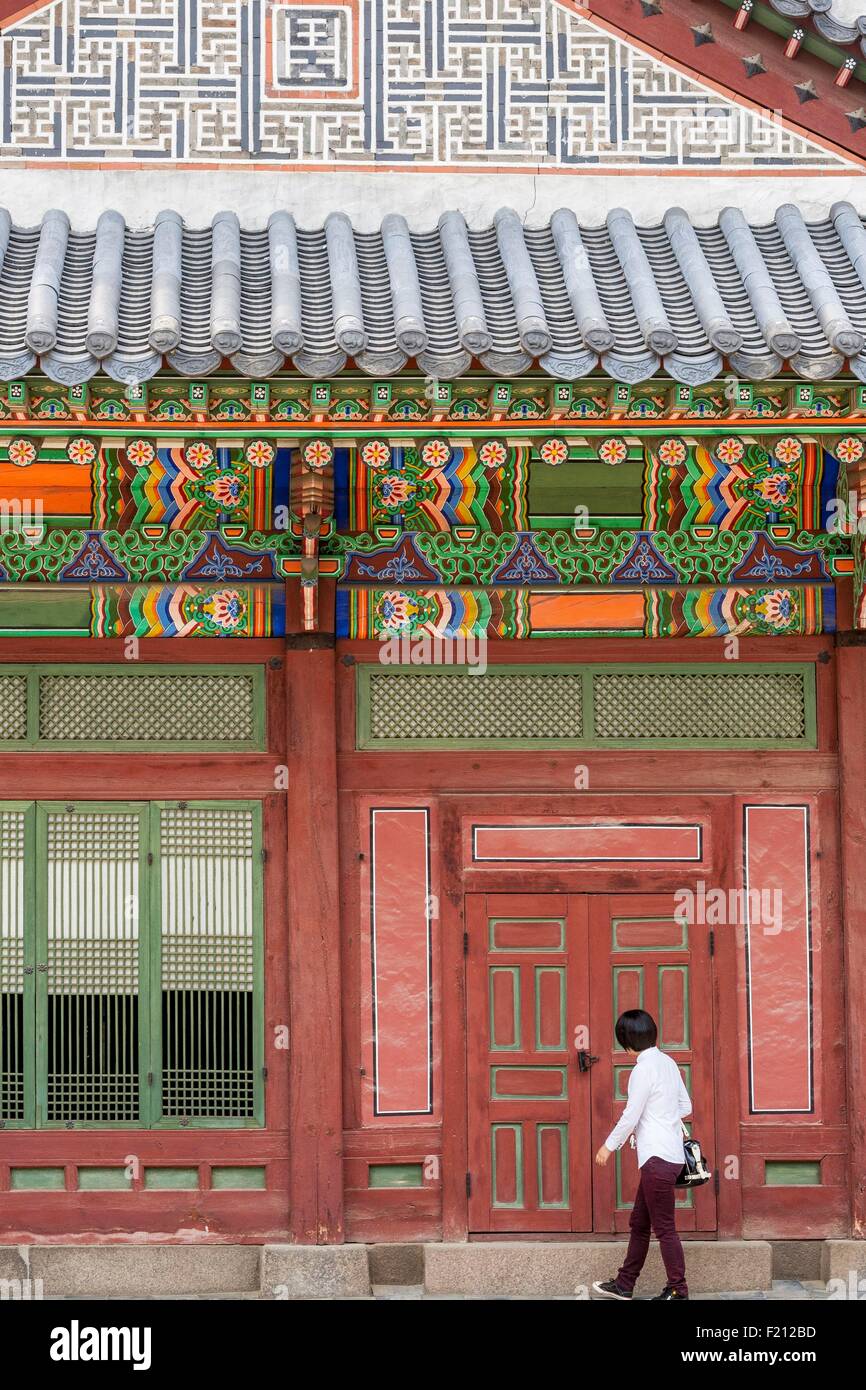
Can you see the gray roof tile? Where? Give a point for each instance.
(632, 300)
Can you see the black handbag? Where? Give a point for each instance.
(695, 1171)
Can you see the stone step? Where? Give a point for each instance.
(493, 1269)
(554, 1268)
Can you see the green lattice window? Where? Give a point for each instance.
(130, 964)
(132, 706)
(722, 704)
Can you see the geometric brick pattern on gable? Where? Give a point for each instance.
(519, 83)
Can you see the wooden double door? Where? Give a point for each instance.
(547, 976)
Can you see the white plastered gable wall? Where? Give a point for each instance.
(507, 102)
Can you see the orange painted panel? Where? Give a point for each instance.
(587, 612)
(61, 490)
(557, 841)
(401, 960)
(778, 958)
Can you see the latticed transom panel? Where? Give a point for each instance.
(207, 858)
(13, 706)
(12, 913)
(164, 707)
(494, 707)
(92, 925)
(683, 705)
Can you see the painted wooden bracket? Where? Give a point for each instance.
(313, 504)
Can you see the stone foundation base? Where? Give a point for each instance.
(528, 1268)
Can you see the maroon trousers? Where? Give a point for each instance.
(654, 1208)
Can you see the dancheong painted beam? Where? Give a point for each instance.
(351, 403)
(198, 530)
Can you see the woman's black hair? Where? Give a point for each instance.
(636, 1030)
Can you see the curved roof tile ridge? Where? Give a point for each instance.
(571, 299)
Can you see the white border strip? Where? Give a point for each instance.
(590, 858)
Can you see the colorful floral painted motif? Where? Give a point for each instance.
(739, 486)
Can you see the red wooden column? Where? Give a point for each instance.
(315, 1099)
(851, 659)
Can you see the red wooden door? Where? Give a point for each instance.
(548, 974)
(642, 958)
(529, 1107)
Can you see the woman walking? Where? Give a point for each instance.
(657, 1104)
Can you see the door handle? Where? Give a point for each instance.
(585, 1060)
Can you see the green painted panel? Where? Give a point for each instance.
(558, 971)
(621, 1075)
(58, 609)
(103, 1180)
(588, 483)
(619, 973)
(562, 1165)
(792, 1172)
(221, 1178)
(395, 1175)
(159, 1179)
(670, 1044)
(517, 1132)
(499, 1083)
(551, 933)
(37, 1179)
(679, 942)
(496, 977)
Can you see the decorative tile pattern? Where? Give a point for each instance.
(366, 82)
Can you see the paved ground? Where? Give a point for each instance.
(782, 1290)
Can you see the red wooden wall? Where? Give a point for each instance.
(404, 1084)
(779, 997)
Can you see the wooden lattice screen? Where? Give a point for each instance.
(131, 964)
(723, 704)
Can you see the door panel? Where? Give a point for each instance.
(528, 992)
(548, 974)
(643, 958)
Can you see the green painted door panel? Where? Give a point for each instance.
(645, 957)
(529, 1115)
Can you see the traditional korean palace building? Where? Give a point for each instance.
(432, 620)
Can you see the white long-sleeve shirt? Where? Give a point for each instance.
(657, 1104)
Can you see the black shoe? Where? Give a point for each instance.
(668, 1294)
(609, 1288)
